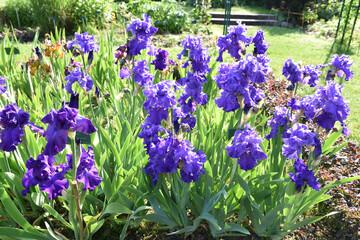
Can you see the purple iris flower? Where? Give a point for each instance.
(85, 42)
(183, 118)
(228, 101)
(294, 104)
(160, 97)
(125, 73)
(302, 175)
(169, 154)
(297, 137)
(77, 75)
(198, 55)
(334, 107)
(327, 105)
(49, 177)
(259, 43)
(231, 42)
(281, 119)
(190, 162)
(235, 80)
(341, 66)
(2, 86)
(246, 148)
(161, 59)
(142, 32)
(193, 83)
(311, 75)
(60, 123)
(86, 173)
(150, 135)
(13, 121)
(141, 74)
(292, 72)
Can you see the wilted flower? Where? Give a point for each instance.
(246, 148)
(60, 123)
(53, 50)
(72, 65)
(297, 137)
(35, 64)
(121, 52)
(302, 175)
(85, 42)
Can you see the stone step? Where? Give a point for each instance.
(251, 22)
(244, 16)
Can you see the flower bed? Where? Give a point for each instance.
(96, 138)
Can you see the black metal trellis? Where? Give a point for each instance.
(227, 16)
(354, 24)
(347, 21)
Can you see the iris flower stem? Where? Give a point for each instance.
(83, 59)
(78, 209)
(91, 107)
(75, 185)
(233, 170)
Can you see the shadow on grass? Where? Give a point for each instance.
(336, 48)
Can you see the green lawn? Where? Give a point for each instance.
(243, 9)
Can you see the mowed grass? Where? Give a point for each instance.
(243, 10)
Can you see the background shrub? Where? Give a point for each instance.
(24, 11)
(168, 16)
(68, 14)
